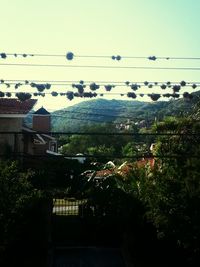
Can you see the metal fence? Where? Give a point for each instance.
(69, 207)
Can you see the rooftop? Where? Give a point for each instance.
(15, 106)
(42, 111)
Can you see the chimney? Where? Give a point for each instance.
(41, 120)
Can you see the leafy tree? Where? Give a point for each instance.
(17, 196)
(129, 150)
(84, 143)
(77, 144)
(145, 138)
(171, 191)
(102, 152)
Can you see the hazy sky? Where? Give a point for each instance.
(106, 27)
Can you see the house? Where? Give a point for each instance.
(124, 125)
(32, 141)
(12, 113)
(109, 170)
(37, 140)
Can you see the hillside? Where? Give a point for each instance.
(104, 111)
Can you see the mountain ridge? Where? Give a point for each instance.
(95, 111)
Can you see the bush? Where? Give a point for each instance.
(17, 196)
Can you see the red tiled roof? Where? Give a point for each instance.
(124, 170)
(14, 106)
(104, 173)
(144, 162)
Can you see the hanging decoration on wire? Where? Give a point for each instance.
(93, 87)
(5, 55)
(81, 85)
(118, 57)
(70, 95)
(23, 96)
(70, 56)
(109, 87)
(41, 87)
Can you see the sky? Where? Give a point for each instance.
(91, 27)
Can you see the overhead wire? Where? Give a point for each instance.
(139, 156)
(69, 82)
(79, 119)
(100, 56)
(99, 66)
(94, 114)
(130, 95)
(97, 94)
(194, 134)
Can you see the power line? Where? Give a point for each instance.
(100, 83)
(139, 156)
(93, 114)
(94, 87)
(96, 94)
(112, 122)
(26, 81)
(98, 114)
(79, 119)
(100, 66)
(70, 56)
(194, 134)
(80, 95)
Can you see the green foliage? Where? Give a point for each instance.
(100, 111)
(17, 196)
(129, 150)
(102, 152)
(98, 144)
(62, 140)
(113, 197)
(55, 173)
(6, 150)
(77, 144)
(171, 191)
(146, 139)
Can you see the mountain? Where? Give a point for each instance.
(103, 111)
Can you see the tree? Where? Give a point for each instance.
(86, 143)
(171, 191)
(102, 152)
(129, 150)
(17, 196)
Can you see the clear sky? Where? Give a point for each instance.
(93, 27)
